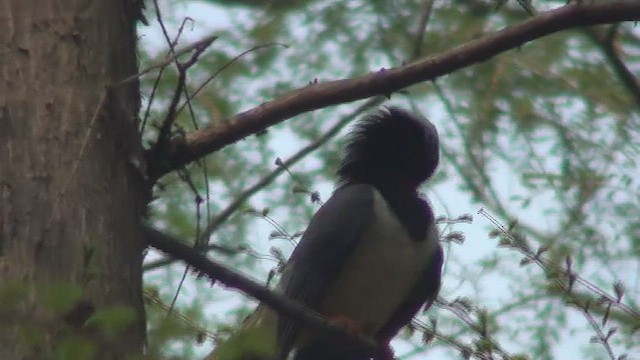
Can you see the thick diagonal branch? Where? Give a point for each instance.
(235, 280)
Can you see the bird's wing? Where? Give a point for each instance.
(330, 238)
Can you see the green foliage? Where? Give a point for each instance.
(546, 134)
(57, 322)
(73, 347)
(60, 297)
(112, 320)
(519, 357)
(255, 341)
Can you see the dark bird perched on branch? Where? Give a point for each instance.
(370, 258)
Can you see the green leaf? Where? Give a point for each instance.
(258, 342)
(75, 348)
(60, 297)
(112, 320)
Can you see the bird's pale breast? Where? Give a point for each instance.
(381, 272)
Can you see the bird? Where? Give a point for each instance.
(370, 258)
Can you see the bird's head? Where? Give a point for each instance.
(392, 148)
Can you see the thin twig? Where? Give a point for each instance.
(164, 134)
(200, 44)
(425, 15)
(517, 243)
(170, 52)
(600, 336)
(480, 327)
(229, 63)
(606, 43)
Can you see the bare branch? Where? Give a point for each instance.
(387, 81)
(235, 280)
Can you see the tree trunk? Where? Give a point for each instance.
(70, 202)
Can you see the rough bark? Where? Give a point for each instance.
(69, 200)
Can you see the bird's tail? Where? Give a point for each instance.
(255, 340)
